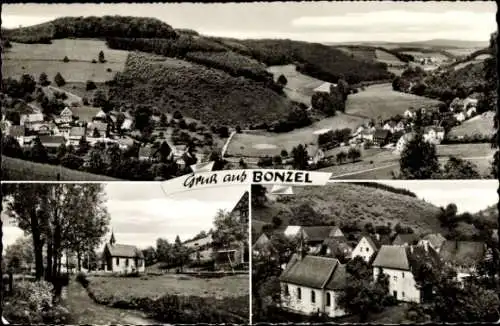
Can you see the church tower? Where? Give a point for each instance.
(112, 240)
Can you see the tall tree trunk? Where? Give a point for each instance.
(67, 261)
(48, 269)
(1, 258)
(37, 246)
(79, 259)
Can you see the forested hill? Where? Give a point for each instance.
(91, 27)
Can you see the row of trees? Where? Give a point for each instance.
(61, 219)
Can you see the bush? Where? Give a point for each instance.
(109, 70)
(94, 61)
(82, 279)
(90, 85)
(66, 59)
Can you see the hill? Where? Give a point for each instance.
(210, 95)
(489, 214)
(14, 169)
(482, 125)
(343, 203)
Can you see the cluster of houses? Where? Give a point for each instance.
(313, 278)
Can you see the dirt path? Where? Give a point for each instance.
(86, 311)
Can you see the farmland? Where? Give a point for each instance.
(258, 144)
(37, 58)
(381, 101)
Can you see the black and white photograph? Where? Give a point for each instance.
(388, 252)
(363, 90)
(124, 253)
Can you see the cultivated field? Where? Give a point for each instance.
(386, 57)
(299, 87)
(173, 284)
(18, 170)
(37, 58)
(256, 144)
(479, 125)
(381, 101)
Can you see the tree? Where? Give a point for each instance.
(11, 147)
(150, 257)
(419, 159)
(277, 222)
(282, 80)
(277, 160)
(96, 162)
(83, 146)
(59, 80)
(259, 196)
(457, 168)
(101, 57)
(43, 79)
(341, 157)
(163, 120)
(27, 84)
(353, 154)
(90, 85)
(20, 255)
(96, 133)
(99, 99)
(227, 230)
(300, 157)
(38, 152)
(65, 59)
(284, 153)
(177, 115)
(448, 216)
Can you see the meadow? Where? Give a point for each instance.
(478, 125)
(388, 58)
(380, 101)
(299, 87)
(14, 169)
(257, 144)
(34, 59)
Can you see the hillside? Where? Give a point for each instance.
(14, 169)
(489, 214)
(343, 203)
(210, 95)
(482, 125)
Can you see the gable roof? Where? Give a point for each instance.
(66, 111)
(316, 233)
(101, 126)
(46, 139)
(312, 271)
(338, 245)
(374, 244)
(121, 250)
(325, 87)
(34, 117)
(435, 128)
(291, 230)
(463, 253)
(435, 239)
(405, 258)
(381, 133)
(405, 239)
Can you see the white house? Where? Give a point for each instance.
(398, 262)
(31, 121)
(66, 115)
(460, 117)
(127, 124)
(261, 245)
(365, 248)
(123, 259)
(63, 129)
(403, 141)
(433, 134)
(75, 134)
(471, 112)
(469, 103)
(409, 114)
(312, 284)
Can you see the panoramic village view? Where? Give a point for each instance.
(408, 252)
(124, 254)
(143, 92)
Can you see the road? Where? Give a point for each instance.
(84, 310)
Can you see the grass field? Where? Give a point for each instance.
(20, 170)
(37, 58)
(254, 144)
(386, 57)
(381, 101)
(299, 87)
(481, 125)
(174, 284)
(343, 202)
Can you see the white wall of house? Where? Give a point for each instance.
(332, 308)
(309, 303)
(364, 250)
(401, 284)
(126, 265)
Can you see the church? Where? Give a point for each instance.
(122, 258)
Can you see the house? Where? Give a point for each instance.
(406, 239)
(100, 127)
(291, 231)
(63, 129)
(315, 155)
(52, 142)
(365, 248)
(469, 103)
(31, 121)
(314, 236)
(399, 263)
(121, 258)
(147, 152)
(240, 210)
(66, 115)
(75, 134)
(337, 247)
(19, 133)
(366, 134)
(403, 141)
(409, 114)
(390, 126)
(436, 240)
(313, 284)
(44, 129)
(127, 124)
(324, 88)
(381, 137)
(433, 134)
(463, 256)
(101, 115)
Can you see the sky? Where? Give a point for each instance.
(320, 21)
(469, 195)
(143, 212)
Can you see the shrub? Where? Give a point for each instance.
(82, 279)
(90, 85)
(66, 59)
(59, 80)
(94, 61)
(109, 70)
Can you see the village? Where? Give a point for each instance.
(331, 273)
(101, 278)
